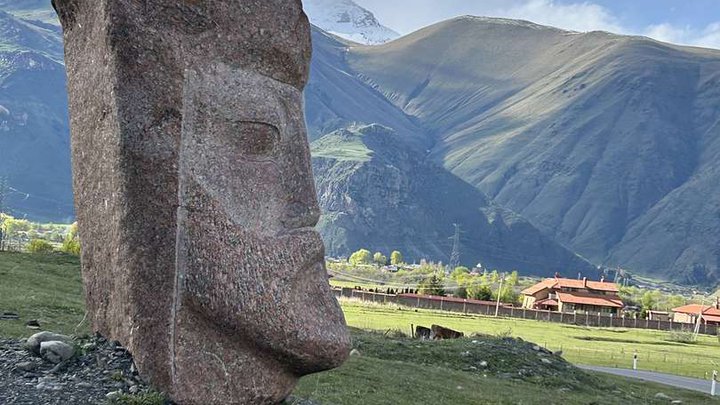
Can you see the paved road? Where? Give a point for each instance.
(694, 384)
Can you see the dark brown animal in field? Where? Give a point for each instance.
(441, 333)
(423, 333)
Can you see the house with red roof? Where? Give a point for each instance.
(690, 313)
(568, 295)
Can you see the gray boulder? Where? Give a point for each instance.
(33, 343)
(56, 351)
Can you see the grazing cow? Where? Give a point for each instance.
(440, 333)
(423, 333)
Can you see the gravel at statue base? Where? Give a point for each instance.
(99, 371)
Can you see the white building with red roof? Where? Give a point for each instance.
(568, 295)
(690, 313)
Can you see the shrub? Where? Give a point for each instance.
(40, 246)
(681, 336)
(71, 244)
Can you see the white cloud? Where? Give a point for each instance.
(708, 37)
(406, 16)
(410, 15)
(576, 17)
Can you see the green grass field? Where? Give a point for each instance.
(580, 345)
(399, 371)
(48, 288)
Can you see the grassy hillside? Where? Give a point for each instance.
(46, 288)
(391, 369)
(397, 370)
(611, 347)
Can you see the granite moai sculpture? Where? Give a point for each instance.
(194, 193)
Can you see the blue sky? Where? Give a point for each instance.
(688, 22)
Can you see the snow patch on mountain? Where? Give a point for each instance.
(348, 20)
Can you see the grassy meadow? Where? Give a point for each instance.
(46, 288)
(613, 347)
(394, 369)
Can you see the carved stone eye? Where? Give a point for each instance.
(255, 138)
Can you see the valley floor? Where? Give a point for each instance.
(489, 368)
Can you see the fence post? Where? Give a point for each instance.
(465, 307)
(574, 316)
(714, 383)
(442, 300)
(635, 360)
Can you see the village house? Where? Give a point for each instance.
(568, 295)
(689, 313)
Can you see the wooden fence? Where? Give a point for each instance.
(468, 306)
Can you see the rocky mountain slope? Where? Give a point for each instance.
(605, 142)
(348, 20)
(34, 141)
(608, 144)
(377, 193)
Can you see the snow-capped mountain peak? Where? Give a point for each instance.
(348, 20)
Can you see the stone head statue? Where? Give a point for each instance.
(194, 193)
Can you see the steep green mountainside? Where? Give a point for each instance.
(607, 143)
(34, 140)
(377, 193)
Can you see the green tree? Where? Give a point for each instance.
(432, 285)
(380, 259)
(362, 256)
(459, 273)
(480, 292)
(396, 258)
(648, 301)
(71, 244)
(513, 279)
(675, 301)
(40, 246)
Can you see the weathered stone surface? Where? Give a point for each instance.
(194, 193)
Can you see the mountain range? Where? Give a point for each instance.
(550, 149)
(348, 20)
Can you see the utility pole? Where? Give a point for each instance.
(455, 256)
(699, 319)
(497, 304)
